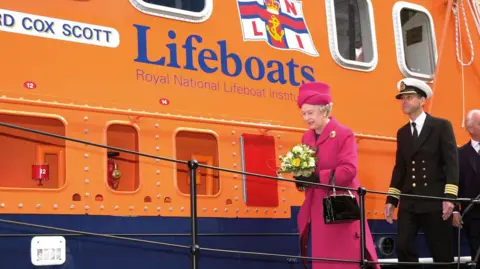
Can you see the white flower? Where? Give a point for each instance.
(297, 149)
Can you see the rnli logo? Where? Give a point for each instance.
(280, 23)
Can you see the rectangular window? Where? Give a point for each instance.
(188, 5)
(183, 10)
(415, 41)
(352, 33)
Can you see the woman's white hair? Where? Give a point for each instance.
(327, 109)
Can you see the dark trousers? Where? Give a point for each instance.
(438, 233)
(472, 231)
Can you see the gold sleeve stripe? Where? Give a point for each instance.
(454, 187)
(451, 189)
(451, 192)
(394, 192)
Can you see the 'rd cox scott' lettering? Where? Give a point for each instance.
(51, 27)
(273, 70)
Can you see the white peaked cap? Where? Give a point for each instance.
(413, 85)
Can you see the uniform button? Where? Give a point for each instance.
(425, 184)
(414, 185)
(413, 169)
(423, 161)
(424, 169)
(424, 176)
(413, 176)
(413, 162)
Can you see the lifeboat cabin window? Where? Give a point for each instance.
(203, 147)
(415, 41)
(185, 10)
(351, 33)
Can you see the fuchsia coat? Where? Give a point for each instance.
(336, 149)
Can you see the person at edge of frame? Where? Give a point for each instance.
(336, 150)
(469, 159)
(426, 164)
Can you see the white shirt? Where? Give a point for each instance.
(475, 145)
(420, 121)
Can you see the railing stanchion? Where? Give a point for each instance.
(361, 193)
(476, 259)
(192, 167)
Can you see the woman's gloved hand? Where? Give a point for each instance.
(302, 186)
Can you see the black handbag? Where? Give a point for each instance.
(340, 208)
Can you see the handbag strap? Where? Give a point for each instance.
(332, 182)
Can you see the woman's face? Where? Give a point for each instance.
(313, 116)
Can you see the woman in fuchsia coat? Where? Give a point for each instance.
(336, 150)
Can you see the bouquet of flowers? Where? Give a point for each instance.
(300, 161)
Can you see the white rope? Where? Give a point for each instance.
(458, 35)
(475, 13)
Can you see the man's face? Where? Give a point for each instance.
(474, 126)
(412, 103)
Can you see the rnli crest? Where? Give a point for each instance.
(280, 23)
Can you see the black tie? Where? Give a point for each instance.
(415, 132)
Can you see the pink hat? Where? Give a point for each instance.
(314, 93)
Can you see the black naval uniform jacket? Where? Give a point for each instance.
(469, 178)
(428, 166)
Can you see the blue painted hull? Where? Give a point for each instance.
(85, 252)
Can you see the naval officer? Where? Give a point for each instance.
(426, 164)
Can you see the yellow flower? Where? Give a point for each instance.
(296, 162)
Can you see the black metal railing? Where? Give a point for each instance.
(195, 248)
